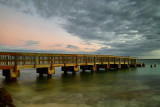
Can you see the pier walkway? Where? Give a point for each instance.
(12, 62)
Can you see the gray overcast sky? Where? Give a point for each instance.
(114, 27)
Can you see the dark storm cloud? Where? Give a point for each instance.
(19, 5)
(31, 43)
(72, 47)
(129, 27)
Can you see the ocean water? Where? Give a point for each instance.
(133, 87)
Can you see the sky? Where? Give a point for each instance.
(107, 27)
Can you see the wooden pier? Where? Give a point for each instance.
(12, 62)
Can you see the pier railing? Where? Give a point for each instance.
(21, 59)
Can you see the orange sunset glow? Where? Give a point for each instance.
(16, 30)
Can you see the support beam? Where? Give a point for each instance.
(88, 67)
(11, 74)
(73, 69)
(46, 70)
(117, 66)
(125, 66)
(139, 65)
(133, 65)
(35, 61)
(143, 65)
(105, 66)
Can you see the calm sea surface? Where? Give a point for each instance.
(134, 87)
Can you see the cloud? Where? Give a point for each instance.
(56, 45)
(7, 48)
(31, 43)
(72, 47)
(129, 27)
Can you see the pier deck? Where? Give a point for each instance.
(12, 62)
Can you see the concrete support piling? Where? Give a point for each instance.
(133, 65)
(88, 67)
(11, 74)
(72, 69)
(46, 70)
(49, 75)
(125, 66)
(117, 66)
(143, 65)
(139, 65)
(105, 66)
(40, 74)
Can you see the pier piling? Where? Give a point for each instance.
(125, 65)
(46, 71)
(105, 66)
(92, 68)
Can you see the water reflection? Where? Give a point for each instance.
(125, 87)
(44, 84)
(10, 85)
